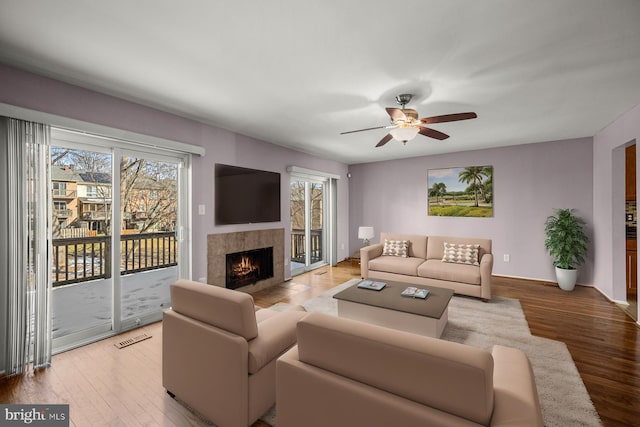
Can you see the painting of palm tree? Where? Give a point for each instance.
(464, 191)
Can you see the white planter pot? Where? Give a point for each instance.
(566, 278)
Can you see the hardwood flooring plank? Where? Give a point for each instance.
(602, 340)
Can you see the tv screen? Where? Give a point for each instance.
(245, 196)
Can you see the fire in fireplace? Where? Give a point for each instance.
(248, 267)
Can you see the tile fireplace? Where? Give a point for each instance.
(224, 251)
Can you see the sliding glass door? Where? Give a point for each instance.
(82, 282)
(117, 242)
(308, 203)
(149, 194)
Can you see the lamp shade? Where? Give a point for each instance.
(404, 133)
(365, 233)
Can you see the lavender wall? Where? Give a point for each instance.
(229, 148)
(43, 94)
(609, 198)
(39, 93)
(529, 182)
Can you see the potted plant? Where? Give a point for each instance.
(567, 244)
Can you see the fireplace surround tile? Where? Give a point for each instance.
(220, 244)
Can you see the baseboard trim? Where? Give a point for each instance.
(530, 279)
(615, 301)
(547, 282)
(541, 281)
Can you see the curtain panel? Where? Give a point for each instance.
(24, 262)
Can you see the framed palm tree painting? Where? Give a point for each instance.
(464, 191)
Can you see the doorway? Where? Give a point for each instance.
(149, 249)
(82, 282)
(309, 217)
(631, 214)
(118, 216)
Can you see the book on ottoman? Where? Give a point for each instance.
(413, 292)
(370, 284)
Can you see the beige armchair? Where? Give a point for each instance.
(219, 354)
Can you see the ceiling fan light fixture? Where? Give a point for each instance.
(406, 124)
(404, 133)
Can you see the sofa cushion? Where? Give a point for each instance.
(461, 253)
(417, 243)
(394, 264)
(436, 269)
(395, 248)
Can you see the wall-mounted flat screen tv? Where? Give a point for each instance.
(245, 196)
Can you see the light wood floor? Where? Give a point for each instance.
(109, 386)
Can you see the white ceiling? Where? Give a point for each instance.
(297, 73)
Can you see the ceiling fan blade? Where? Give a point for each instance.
(362, 130)
(396, 114)
(449, 118)
(384, 140)
(432, 133)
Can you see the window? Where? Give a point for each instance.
(59, 188)
(92, 191)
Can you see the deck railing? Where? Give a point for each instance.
(149, 251)
(82, 259)
(298, 249)
(62, 213)
(63, 193)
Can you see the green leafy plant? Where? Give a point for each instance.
(565, 239)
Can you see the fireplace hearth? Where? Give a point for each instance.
(248, 267)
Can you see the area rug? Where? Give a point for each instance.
(563, 396)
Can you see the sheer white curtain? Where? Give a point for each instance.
(24, 264)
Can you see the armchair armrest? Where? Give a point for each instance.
(516, 400)
(366, 254)
(276, 335)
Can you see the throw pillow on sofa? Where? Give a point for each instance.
(461, 253)
(395, 248)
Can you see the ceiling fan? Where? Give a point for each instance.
(405, 124)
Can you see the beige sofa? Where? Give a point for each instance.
(424, 266)
(219, 354)
(348, 373)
